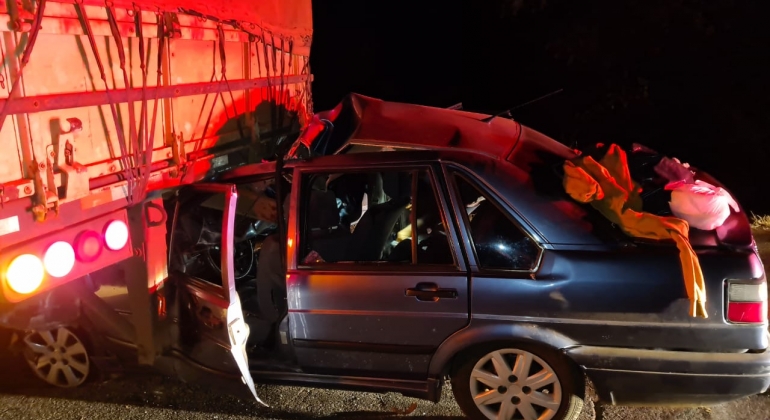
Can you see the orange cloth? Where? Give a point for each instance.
(608, 186)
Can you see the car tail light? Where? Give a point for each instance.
(25, 274)
(747, 303)
(59, 259)
(116, 235)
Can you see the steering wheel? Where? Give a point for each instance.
(243, 258)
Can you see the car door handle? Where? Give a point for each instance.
(430, 292)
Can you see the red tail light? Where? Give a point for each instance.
(116, 235)
(747, 303)
(88, 246)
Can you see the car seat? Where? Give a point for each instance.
(372, 233)
(325, 234)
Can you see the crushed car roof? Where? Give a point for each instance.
(362, 119)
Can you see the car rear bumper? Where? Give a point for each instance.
(655, 377)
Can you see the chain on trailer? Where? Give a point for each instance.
(199, 142)
(281, 100)
(40, 207)
(223, 62)
(276, 95)
(223, 78)
(142, 131)
(125, 158)
(268, 75)
(146, 137)
(274, 64)
(131, 112)
(161, 50)
(24, 59)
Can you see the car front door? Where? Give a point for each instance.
(209, 337)
(375, 280)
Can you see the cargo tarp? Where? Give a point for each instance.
(287, 20)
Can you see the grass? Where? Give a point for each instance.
(760, 222)
(761, 227)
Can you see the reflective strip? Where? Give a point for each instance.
(9, 225)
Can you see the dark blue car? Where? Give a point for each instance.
(412, 244)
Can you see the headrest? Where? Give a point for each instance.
(397, 184)
(323, 212)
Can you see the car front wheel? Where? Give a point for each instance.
(59, 357)
(516, 382)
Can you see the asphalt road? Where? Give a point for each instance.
(149, 396)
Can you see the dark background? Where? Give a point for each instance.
(687, 78)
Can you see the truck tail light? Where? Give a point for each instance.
(63, 256)
(747, 303)
(116, 235)
(25, 274)
(88, 246)
(59, 259)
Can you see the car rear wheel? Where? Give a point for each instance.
(520, 382)
(59, 357)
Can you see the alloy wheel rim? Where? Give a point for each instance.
(511, 384)
(58, 357)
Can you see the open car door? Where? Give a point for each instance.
(209, 339)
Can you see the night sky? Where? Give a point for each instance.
(689, 78)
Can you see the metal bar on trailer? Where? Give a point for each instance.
(31, 104)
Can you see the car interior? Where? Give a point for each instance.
(196, 243)
(346, 218)
(366, 218)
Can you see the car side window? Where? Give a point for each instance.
(372, 217)
(498, 242)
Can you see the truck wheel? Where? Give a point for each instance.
(59, 357)
(517, 382)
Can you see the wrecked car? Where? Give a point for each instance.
(397, 245)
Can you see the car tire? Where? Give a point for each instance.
(551, 389)
(59, 357)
